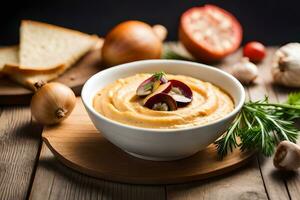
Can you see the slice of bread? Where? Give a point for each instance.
(29, 78)
(46, 47)
(8, 55)
(46, 52)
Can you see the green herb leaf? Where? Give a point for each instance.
(261, 126)
(169, 54)
(158, 75)
(148, 86)
(294, 99)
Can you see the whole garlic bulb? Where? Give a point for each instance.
(245, 71)
(286, 65)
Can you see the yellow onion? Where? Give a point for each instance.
(131, 41)
(52, 103)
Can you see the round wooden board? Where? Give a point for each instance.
(77, 144)
(13, 93)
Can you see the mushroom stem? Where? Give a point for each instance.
(60, 113)
(287, 156)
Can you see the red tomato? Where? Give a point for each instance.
(209, 33)
(255, 51)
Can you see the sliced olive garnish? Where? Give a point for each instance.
(164, 95)
(145, 87)
(181, 92)
(164, 88)
(161, 102)
(151, 84)
(180, 98)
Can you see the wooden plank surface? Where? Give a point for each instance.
(273, 182)
(19, 145)
(56, 181)
(291, 179)
(245, 183)
(20, 141)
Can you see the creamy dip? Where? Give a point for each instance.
(118, 102)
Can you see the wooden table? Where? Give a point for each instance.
(29, 170)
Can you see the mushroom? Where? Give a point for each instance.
(287, 156)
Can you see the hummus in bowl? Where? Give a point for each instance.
(118, 101)
(119, 115)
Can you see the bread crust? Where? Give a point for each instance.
(93, 39)
(28, 76)
(11, 68)
(51, 26)
(9, 47)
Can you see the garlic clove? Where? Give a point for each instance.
(245, 71)
(286, 65)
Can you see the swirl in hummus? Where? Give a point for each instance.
(118, 102)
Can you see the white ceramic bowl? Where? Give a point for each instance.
(162, 144)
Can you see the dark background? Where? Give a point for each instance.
(271, 22)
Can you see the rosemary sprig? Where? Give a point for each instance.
(261, 125)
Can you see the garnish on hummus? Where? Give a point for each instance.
(164, 95)
(162, 101)
(151, 84)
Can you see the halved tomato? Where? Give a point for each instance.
(209, 33)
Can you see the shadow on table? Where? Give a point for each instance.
(285, 175)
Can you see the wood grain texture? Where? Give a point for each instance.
(56, 181)
(245, 183)
(258, 180)
(248, 183)
(291, 179)
(274, 181)
(12, 93)
(19, 145)
(77, 144)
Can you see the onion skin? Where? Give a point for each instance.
(131, 41)
(52, 103)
